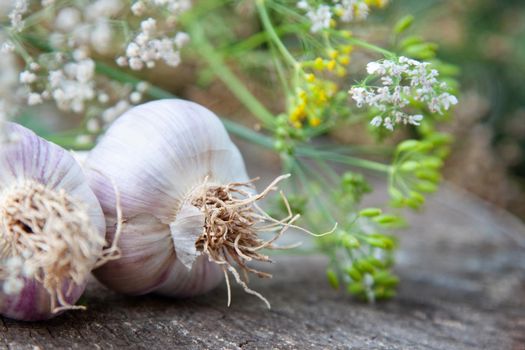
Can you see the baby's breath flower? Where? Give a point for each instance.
(402, 80)
(34, 99)
(67, 19)
(20, 7)
(148, 47)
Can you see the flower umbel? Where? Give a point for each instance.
(402, 81)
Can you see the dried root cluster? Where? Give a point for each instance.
(233, 222)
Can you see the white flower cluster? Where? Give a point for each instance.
(20, 7)
(351, 10)
(16, 9)
(147, 48)
(321, 16)
(79, 31)
(70, 87)
(90, 28)
(402, 80)
(176, 7)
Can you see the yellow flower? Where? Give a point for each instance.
(341, 71)
(331, 65)
(346, 33)
(315, 121)
(319, 63)
(320, 95)
(310, 78)
(345, 60)
(377, 3)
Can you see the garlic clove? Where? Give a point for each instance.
(185, 231)
(52, 227)
(203, 276)
(146, 256)
(32, 303)
(29, 157)
(159, 151)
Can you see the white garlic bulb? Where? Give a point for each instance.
(51, 227)
(189, 212)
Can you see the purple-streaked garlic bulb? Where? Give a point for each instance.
(51, 227)
(189, 209)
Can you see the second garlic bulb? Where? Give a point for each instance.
(187, 204)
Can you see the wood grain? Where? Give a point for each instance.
(462, 266)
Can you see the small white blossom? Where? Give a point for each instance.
(138, 8)
(27, 77)
(34, 66)
(103, 9)
(101, 37)
(93, 125)
(149, 26)
(103, 98)
(320, 18)
(377, 121)
(135, 97)
(181, 39)
(67, 19)
(34, 98)
(374, 67)
(19, 8)
(142, 86)
(415, 119)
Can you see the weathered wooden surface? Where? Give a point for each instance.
(462, 266)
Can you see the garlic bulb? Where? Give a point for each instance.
(188, 207)
(51, 227)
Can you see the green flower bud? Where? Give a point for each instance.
(370, 212)
(356, 288)
(332, 278)
(409, 166)
(410, 41)
(364, 266)
(403, 24)
(408, 145)
(350, 242)
(354, 274)
(426, 186)
(380, 242)
(427, 174)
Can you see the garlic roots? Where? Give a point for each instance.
(51, 227)
(190, 211)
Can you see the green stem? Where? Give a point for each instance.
(358, 162)
(364, 44)
(258, 39)
(209, 54)
(268, 26)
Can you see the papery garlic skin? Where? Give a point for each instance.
(157, 154)
(30, 163)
